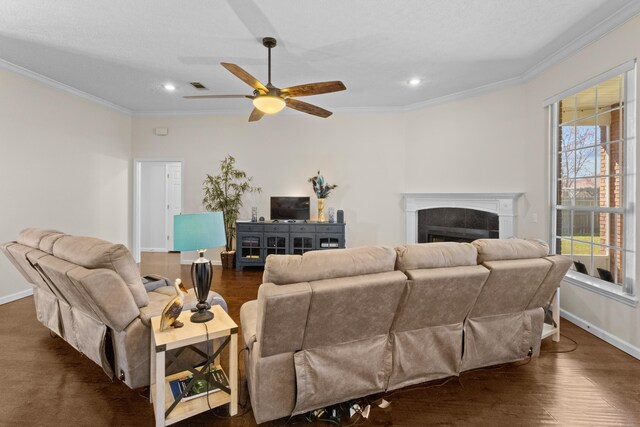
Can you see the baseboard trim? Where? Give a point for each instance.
(601, 333)
(16, 296)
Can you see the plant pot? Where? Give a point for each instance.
(227, 258)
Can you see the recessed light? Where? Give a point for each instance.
(414, 81)
(169, 87)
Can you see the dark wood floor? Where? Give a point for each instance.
(46, 382)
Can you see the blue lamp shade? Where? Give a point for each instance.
(193, 232)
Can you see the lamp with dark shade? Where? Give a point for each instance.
(197, 232)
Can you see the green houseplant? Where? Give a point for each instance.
(223, 193)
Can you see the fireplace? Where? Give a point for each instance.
(456, 225)
(504, 205)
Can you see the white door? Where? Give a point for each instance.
(174, 198)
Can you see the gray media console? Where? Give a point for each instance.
(256, 240)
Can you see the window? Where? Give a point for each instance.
(592, 206)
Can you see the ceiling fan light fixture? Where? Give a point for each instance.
(269, 104)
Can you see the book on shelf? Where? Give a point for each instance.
(199, 387)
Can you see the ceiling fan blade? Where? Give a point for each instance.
(255, 115)
(245, 77)
(217, 96)
(314, 88)
(308, 108)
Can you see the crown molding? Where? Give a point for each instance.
(32, 75)
(605, 26)
(465, 93)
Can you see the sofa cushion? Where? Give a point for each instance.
(505, 249)
(320, 265)
(90, 252)
(47, 242)
(435, 255)
(32, 236)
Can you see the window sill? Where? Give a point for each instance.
(600, 287)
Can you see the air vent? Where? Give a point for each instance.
(198, 85)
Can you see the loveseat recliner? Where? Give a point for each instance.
(90, 293)
(330, 326)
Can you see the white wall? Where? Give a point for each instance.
(478, 145)
(362, 153)
(64, 164)
(152, 206)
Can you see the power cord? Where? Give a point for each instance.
(575, 347)
(245, 409)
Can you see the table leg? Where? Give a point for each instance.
(233, 375)
(158, 406)
(556, 315)
(152, 373)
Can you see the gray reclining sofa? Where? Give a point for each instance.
(89, 292)
(330, 326)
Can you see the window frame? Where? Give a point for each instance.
(627, 292)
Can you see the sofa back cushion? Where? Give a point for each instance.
(439, 296)
(281, 317)
(505, 249)
(93, 253)
(352, 308)
(435, 255)
(321, 265)
(47, 242)
(559, 267)
(510, 287)
(32, 236)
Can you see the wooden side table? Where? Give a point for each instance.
(167, 410)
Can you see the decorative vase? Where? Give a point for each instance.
(321, 210)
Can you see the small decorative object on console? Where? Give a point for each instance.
(331, 216)
(322, 190)
(254, 214)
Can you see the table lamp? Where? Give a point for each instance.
(197, 232)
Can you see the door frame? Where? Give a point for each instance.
(137, 194)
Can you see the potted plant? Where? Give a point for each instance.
(223, 193)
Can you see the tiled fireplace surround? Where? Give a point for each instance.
(502, 204)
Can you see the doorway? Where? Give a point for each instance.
(157, 198)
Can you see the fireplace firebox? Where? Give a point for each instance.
(456, 225)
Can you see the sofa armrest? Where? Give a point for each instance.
(248, 321)
(152, 282)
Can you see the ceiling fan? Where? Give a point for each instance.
(268, 99)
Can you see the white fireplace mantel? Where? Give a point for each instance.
(503, 204)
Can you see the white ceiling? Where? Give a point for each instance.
(123, 51)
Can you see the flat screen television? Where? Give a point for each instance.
(290, 208)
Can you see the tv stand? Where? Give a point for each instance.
(255, 241)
